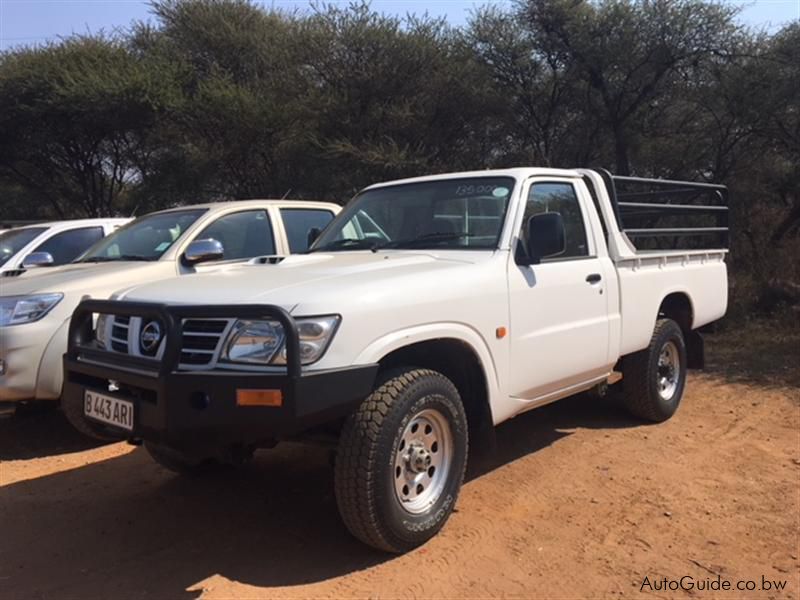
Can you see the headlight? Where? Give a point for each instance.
(253, 342)
(101, 333)
(16, 310)
(262, 342)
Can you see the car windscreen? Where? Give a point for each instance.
(14, 240)
(439, 214)
(147, 238)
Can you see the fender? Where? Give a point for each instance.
(695, 349)
(680, 289)
(644, 324)
(49, 377)
(388, 343)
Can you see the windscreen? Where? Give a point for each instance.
(441, 214)
(14, 240)
(146, 238)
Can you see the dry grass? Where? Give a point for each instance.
(759, 352)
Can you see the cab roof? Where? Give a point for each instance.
(516, 173)
(74, 223)
(254, 203)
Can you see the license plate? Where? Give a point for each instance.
(108, 409)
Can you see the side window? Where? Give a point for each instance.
(560, 198)
(66, 246)
(298, 221)
(243, 234)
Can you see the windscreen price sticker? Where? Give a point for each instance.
(482, 190)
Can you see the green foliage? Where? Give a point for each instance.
(76, 119)
(388, 100)
(630, 53)
(223, 99)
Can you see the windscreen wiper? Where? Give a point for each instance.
(423, 240)
(122, 257)
(349, 244)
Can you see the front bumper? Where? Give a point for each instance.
(21, 349)
(199, 408)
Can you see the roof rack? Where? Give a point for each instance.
(666, 214)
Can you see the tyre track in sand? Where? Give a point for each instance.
(580, 500)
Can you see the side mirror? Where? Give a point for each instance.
(546, 238)
(313, 234)
(37, 259)
(200, 251)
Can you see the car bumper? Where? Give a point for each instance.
(184, 409)
(21, 350)
(202, 409)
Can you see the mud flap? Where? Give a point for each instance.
(695, 350)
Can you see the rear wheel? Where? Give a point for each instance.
(401, 461)
(654, 378)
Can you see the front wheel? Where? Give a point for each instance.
(654, 378)
(401, 461)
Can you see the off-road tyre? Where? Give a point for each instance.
(372, 441)
(641, 390)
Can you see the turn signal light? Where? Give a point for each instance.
(259, 398)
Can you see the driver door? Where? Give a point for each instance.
(559, 313)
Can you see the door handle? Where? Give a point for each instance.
(593, 278)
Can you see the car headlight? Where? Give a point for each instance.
(16, 310)
(101, 333)
(263, 342)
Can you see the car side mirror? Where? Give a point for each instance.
(546, 238)
(313, 234)
(37, 259)
(200, 251)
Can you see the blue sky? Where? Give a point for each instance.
(26, 22)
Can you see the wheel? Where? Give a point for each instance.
(401, 460)
(177, 461)
(654, 378)
(73, 411)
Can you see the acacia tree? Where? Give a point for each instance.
(630, 53)
(76, 120)
(240, 124)
(392, 98)
(539, 88)
(779, 123)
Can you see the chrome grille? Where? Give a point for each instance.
(201, 340)
(120, 330)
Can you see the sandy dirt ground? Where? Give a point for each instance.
(578, 500)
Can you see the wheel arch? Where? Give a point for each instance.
(466, 363)
(678, 306)
(50, 371)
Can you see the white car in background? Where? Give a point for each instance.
(35, 307)
(51, 244)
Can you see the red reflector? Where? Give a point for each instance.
(259, 398)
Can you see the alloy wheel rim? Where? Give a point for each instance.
(422, 461)
(668, 370)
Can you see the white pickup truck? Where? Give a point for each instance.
(429, 310)
(50, 244)
(35, 306)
